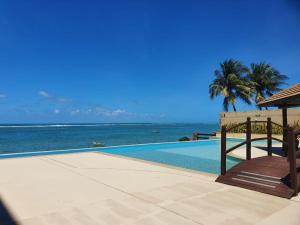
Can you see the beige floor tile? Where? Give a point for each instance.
(97, 189)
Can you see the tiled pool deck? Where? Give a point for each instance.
(94, 188)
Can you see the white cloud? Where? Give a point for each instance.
(99, 111)
(54, 99)
(2, 96)
(118, 112)
(44, 94)
(56, 111)
(61, 99)
(75, 112)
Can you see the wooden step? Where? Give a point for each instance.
(276, 188)
(265, 174)
(256, 179)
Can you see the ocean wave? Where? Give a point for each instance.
(70, 125)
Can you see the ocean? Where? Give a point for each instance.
(16, 138)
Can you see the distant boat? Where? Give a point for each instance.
(98, 144)
(155, 131)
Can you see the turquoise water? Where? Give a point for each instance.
(201, 156)
(37, 140)
(15, 138)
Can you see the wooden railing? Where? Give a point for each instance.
(248, 141)
(289, 142)
(197, 136)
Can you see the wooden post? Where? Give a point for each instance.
(269, 135)
(292, 159)
(248, 138)
(285, 130)
(223, 150)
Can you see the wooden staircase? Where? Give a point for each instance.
(273, 175)
(269, 174)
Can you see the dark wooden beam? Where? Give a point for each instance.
(248, 138)
(285, 129)
(292, 160)
(269, 136)
(223, 150)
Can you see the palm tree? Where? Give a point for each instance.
(231, 83)
(265, 80)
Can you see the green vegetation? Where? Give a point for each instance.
(260, 128)
(231, 83)
(236, 81)
(98, 144)
(265, 80)
(184, 139)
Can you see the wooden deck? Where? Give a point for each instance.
(268, 174)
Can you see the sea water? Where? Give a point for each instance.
(15, 138)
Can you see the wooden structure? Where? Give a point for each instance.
(269, 174)
(289, 97)
(285, 99)
(274, 175)
(199, 136)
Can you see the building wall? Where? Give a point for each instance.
(276, 116)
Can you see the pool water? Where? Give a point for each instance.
(201, 156)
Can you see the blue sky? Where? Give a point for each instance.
(134, 61)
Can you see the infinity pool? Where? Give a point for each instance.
(201, 155)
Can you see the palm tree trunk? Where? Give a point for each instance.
(234, 108)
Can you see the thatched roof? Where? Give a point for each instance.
(289, 97)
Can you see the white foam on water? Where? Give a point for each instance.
(70, 125)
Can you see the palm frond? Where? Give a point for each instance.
(231, 83)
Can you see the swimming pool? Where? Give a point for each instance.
(201, 155)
